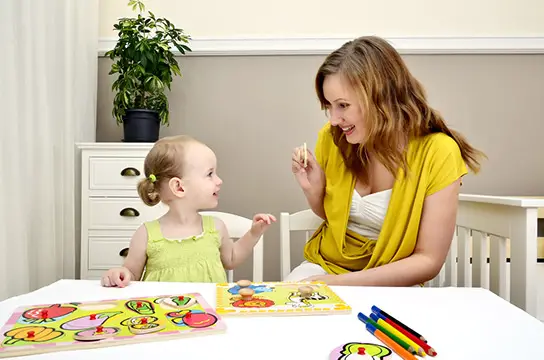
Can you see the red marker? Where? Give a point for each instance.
(139, 304)
(92, 317)
(30, 334)
(361, 351)
(143, 321)
(99, 329)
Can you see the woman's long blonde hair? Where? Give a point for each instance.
(394, 105)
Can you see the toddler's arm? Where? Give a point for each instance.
(134, 264)
(137, 255)
(234, 253)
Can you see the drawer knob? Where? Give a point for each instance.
(130, 171)
(123, 252)
(129, 212)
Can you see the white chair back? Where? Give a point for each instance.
(237, 227)
(305, 220)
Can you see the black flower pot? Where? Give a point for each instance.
(141, 125)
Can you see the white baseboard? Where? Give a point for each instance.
(322, 46)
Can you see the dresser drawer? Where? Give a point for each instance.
(104, 252)
(121, 213)
(119, 173)
(92, 274)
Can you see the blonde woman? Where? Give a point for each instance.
(386, 173)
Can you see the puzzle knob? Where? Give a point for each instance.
(246, 293)
(305, 291)
(243, 283)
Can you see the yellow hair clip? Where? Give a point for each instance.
(153, 178)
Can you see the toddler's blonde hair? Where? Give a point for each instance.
(164, 161)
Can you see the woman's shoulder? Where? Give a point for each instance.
(439, 157)
(324, 135)
(437, 144)
(325, 130)
(325, 147)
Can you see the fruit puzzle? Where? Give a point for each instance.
(278, 298)
(71, 326)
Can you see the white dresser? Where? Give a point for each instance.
(110, 207)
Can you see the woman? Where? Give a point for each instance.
(385, 177)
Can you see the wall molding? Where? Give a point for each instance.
(323, 45)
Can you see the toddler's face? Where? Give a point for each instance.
(200, 182)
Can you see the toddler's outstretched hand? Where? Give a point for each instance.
(119, 277)
(261, 223)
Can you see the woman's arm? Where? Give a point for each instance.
(434, 240)
(311, 179)
(315, 201)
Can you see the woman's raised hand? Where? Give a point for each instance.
(308, 173)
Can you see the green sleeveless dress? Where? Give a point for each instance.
(193, 259)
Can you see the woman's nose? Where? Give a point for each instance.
(335, 120)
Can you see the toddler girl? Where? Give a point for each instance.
(182, 245)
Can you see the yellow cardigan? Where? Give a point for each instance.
(434, 162)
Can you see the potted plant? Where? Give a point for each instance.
(145, 64)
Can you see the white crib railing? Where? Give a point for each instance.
(493, 227)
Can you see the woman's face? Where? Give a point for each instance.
(343, 109)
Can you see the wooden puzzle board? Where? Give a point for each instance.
(78, 325)
(279, 298)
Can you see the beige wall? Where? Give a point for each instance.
(253, 110)
(300, 18)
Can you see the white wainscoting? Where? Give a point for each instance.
(247, 46)
(540, 299)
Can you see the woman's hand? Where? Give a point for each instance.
(310, 176)
(328, 279)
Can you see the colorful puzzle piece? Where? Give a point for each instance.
(360, 351)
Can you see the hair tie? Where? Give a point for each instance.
(153, 178)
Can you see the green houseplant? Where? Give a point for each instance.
(145, 65)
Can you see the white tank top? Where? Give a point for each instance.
(367, 213)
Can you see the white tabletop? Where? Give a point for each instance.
(459, 323)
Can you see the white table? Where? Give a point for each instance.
(459, 323)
